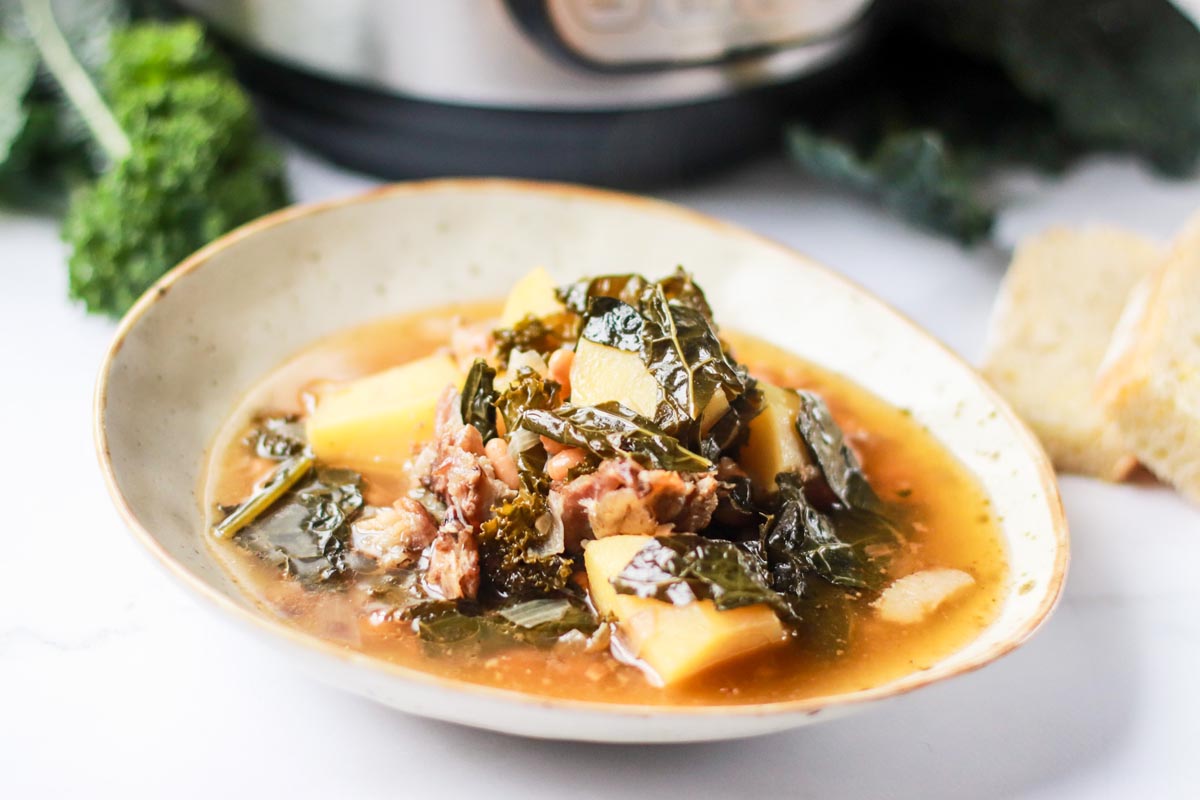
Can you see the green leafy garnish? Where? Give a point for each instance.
(165, 140)
(521, 549)
(478, 405)
(684, 567)
(611, 430)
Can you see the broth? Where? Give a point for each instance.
(946, 519)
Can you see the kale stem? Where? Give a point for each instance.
(76, 84)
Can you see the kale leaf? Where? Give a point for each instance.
(913, 174)
(305, 532)
(526, 391)
(946, 92)
(542, 335)
(611, 430)
(669, 326)
(447, 625)
(681, 568)
(798, 540)
(521, 548)
(278, 438)
(146, 126)
(838, 463)
(634, 290)
(478, 404)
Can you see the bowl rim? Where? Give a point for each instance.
(1024, 440)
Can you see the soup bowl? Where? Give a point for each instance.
(206, 332)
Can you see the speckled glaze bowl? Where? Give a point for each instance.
(207, 331)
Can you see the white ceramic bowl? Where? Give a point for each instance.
(213, 326)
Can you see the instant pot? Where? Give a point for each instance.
(617, 92)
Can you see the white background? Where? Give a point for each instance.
(115, 683)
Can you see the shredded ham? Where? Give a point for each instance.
(394, 536)
(622, 497)
(456, 467)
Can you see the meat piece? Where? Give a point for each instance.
(622, 497)
(459, 471)
(455, 467)
(454, 561)
(914, 597)
(394, 536)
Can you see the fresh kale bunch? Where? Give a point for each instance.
(947, 91)
(145, 126)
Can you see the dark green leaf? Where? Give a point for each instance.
(626, 288)
(731, 430)
(798, 540)
(610, 430)
(1114, 73)
(614, 323)
(478, 405)
(279, 438)
(454, 626)
(527, 390)
(949, 92)
(521, 549)
(541, 335)
(684, 567)
(914, 174)
(633, 290)
(305, 532)
(838, 462)
(680, 348)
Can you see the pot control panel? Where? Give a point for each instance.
(633, 34)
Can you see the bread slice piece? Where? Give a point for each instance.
(1051, 325)
(1149, 384)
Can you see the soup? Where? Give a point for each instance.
(789, 544)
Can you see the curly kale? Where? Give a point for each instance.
(180, 154)
(521, 551)
(542, 335)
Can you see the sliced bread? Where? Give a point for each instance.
(1149, 384)
(1059, 303)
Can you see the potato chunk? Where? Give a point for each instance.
(774, 445)
(601, 373)
(677, 642)
(374, 422)
(914, 597)
(533, 294)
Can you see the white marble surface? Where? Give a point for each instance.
(114, 682)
